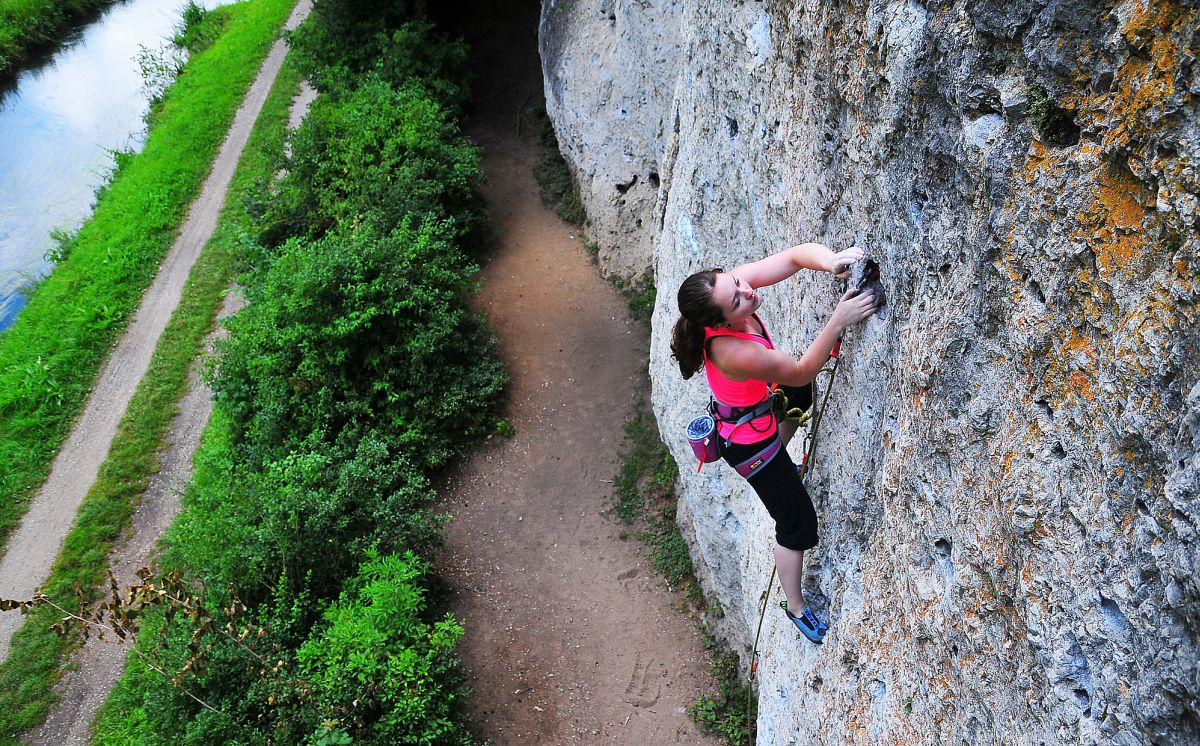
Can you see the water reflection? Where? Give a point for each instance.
(58, 127)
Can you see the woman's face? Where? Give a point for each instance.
(736, 299)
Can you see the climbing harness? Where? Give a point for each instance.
(705, 439)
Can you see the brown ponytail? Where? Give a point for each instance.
(697, 310)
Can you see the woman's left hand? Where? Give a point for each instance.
(840, 263)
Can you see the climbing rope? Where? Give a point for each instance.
(810, 447)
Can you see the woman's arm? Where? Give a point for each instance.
(741, 359)
(788, 262)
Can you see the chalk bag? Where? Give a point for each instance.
(702, 434)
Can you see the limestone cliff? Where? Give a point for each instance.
(1008, 476)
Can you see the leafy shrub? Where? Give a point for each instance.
(198, 28)
(360, 332)
(344, 41)
(379, 673)
(233, 674)
(375, 668)
(373, 157)
(305, 521)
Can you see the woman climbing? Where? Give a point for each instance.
(719, 330)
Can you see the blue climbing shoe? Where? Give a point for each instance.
(807, 623)
(808, 614)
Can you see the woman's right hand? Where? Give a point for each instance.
(853, 308)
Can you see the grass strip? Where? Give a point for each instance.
(50, 357)
(33, 664)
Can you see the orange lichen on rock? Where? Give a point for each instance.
(1078, 345)
(1120, 221)
(1081, 384)
(1144, 84)
(1035, 160)
(1127, 524)
(1112, 224)
(1073, 367)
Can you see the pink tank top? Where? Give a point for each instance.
(740, 393)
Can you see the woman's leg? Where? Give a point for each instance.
(789, 563)
(782, 493)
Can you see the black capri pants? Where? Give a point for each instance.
(778, 485)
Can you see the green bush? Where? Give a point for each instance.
(342, 44)
(360, 332)
(372, 157)
(305, 521)
(379, 673)
(374, 668)
(198, 28)
(241, 666)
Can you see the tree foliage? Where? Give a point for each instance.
(377, 669)
(371, 156)
(395, 40)
(356, 334)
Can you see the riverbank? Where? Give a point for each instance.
(50, 357)
(32, 662)
(26, 27)
(62, 118)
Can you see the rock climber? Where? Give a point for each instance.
(720, 331)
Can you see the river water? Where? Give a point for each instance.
(58, 127)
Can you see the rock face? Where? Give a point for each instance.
(1007, 477)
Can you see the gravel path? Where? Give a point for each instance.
(34, 545)
(95, 667)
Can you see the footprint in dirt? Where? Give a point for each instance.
(645, 683)
(633, 581)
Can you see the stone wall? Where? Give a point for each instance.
(1008, 477)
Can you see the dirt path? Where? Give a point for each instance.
(34, 545)
(570, 638)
